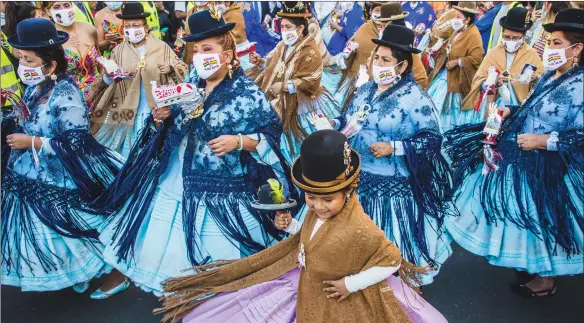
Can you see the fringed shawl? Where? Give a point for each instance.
(344, 245)
(497, 57)
(542, 173)
(468, 47)
(304, 68)
(234, 14)
(119, 103)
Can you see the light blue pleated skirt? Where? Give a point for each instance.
(503, 243)
(447, 104)
(77, 261)
(160, 249)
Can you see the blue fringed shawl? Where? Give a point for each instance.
(221, 195)
(540, 172)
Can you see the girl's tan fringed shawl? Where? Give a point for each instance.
(496, 57)
(304, 68)
(344, 245)
(119, 103)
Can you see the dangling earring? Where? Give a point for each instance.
(348, 198)
(230, 68)
(54, 78)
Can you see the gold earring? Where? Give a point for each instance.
(230, 68)
(54, 78)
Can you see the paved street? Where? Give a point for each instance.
(467, 290)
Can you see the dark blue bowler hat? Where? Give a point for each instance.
(206, 24)
(35, 33)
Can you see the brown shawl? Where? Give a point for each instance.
(234, 14)
(496, 57)
(304, 68)
(468, 47)
(121, 99)
(344, 245)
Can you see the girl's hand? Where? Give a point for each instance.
(164, 68)
(19, 141)
(337, 289)
(506, 112)
(282, 220)
(224, 144)
(451, 64)
(381, 149)
(255, 58)
(275, 88)
(531, 141)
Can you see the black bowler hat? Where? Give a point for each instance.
(517, 19)
(271, 197)
(571, 19)
(326, 164)
(35, 33)
(132, 10)
(294, 9)
(206, 24)
(398, 37)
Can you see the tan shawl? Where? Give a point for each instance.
(234, 14)
(344, 245)
(496, 57)
(119, 103)
(304, 68)
(314, 30)
(468, 47)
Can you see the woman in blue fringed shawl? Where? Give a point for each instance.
(528, 214)
(405, 180)
(49, 233)
(184, 197)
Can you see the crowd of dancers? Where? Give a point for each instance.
(327, 149)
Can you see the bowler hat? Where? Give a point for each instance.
(35, 33)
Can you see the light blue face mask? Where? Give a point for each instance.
(113, 5)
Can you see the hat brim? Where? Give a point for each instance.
(302, 184)
(62, 37)
(396, 17)
(564, 26)
(514, 28)
(138, 16)
(290, 204)
(465, 10)
(293, 15)
(389, 44)
(210, 33)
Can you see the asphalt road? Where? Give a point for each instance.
(468, 290)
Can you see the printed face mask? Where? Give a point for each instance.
(457, 23)
(201, 3)
(384, 75)
(206, 64)
(512, 46)
(290, 37)
(554, 58)
(221, 8)
(135, 35)
(64, 17)
(31, 75)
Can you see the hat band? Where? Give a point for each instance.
(341, 178)
(330, 189)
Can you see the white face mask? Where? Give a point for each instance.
(457, 23)
(201, 3)
(290, 37)
(206, 64)
(384, 75)
(221, 8)
(554, 58)
(31, 75)
(512, 46)
(64, 17)
(135, 35)
(113, 5)
(375, 17)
